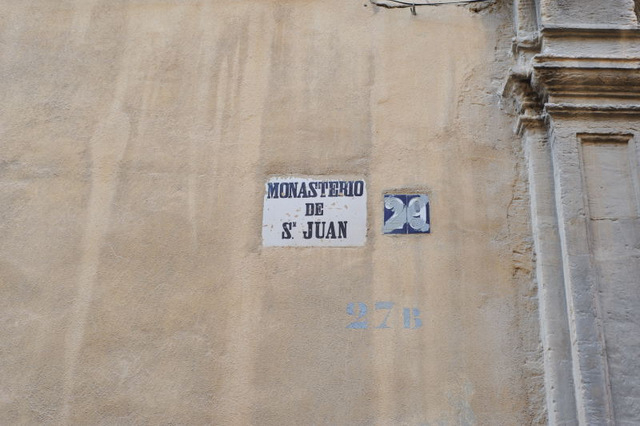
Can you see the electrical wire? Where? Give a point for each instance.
(409, 4)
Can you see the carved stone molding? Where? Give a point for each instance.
(526, 101)
(590, 110)
(587, 77)
(567, 82)
(600, 63)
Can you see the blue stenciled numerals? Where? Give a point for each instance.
(361, 313)
(382, 316)
(411, 314)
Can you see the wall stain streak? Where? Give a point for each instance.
(108, 145)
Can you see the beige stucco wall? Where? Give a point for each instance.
(136, 141)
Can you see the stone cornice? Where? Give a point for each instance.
(591, 31)
(576, 71)
(601, 63)
(587, 76)
(526, 101)
(592, 110)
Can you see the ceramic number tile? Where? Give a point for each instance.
(406, 214)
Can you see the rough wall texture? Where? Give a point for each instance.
(136, 141)
(587, 12)
(602, 161)
(609, 168)
(577, 87)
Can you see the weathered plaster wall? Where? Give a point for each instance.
(136, 141)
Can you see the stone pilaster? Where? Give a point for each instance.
(578, 99)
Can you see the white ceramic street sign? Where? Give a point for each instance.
(300, 211)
